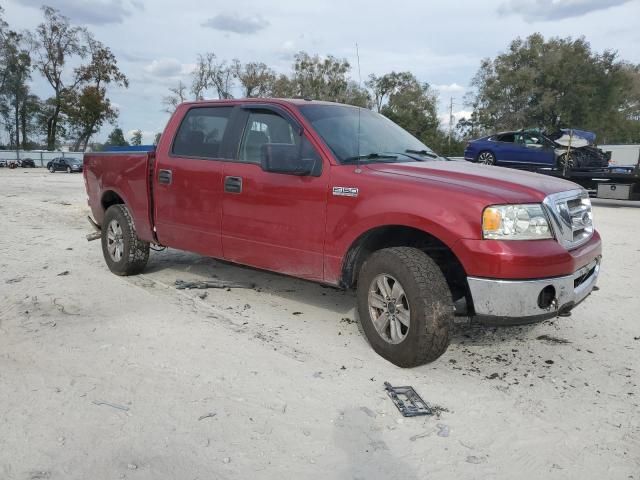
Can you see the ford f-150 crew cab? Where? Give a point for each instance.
(343, 196)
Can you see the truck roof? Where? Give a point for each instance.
(294, 101)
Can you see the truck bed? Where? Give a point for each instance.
(121, 177)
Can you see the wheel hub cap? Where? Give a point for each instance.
(389, 308)
(115, 241)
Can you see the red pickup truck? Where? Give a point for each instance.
(343, 196)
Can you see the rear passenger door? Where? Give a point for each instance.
(188, 181)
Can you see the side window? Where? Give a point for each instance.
(507, 137)
(265, 127)
(201, 132)
(268, 132)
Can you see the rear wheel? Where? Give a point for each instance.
(405, 306)
(487, 158)
(123, 251)
(51, 169)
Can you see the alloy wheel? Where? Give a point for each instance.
(389, 308)
(115, 241)
(487, 158)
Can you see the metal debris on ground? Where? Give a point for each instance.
(201, 284)
(112, 405)
(206, 415)
(62, 274)
(551, 339)
(408, 401)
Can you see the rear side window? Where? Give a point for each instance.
(506, 137)
(201, 132)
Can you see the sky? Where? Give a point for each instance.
(157, 42)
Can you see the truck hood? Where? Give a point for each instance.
(497, 183)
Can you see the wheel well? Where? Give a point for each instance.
(110, 198)
(401, 236)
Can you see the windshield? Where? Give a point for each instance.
(380, 139)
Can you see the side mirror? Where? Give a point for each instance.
(283, 158)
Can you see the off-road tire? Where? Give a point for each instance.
(429, 297)
(135, 252)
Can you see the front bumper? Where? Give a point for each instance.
(526, 301)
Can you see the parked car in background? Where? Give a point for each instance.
(564, 148)
(27, 163)
(64, 164)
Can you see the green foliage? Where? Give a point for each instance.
(78, 106)
(116, 138)
(136, 138)
(411, 104)
(556, 83)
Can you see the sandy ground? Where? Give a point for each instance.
(103, 377)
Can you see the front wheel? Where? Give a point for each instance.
(123, 251)
(565, 162)
(405, 306)
(68, 169)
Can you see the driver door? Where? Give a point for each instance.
(536, 150)
(270, 220)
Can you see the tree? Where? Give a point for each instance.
(116, 138)
(320, 79)
(15, 73)
(177, 96)
(56, 43)
(201, 75)
(552, 84)
(136, 137)
(256, 78)
(411, 104)
(89, 108)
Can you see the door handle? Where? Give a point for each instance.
(233, 184)
(164, 177)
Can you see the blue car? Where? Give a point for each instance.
(533, 148)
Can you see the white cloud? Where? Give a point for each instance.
(236, 24)
(449, 88)
(547, 10)
(444, 117)
(165, 67)
(95, 12)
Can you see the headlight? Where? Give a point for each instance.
(515, 222)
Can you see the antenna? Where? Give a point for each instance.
(358, 107)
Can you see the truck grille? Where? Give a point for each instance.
(571, 217)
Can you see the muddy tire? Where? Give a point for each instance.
(407, 293)
(123, 251)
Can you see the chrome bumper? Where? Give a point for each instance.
(519, 301)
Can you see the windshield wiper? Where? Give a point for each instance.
(370, 156)
(426, 153)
